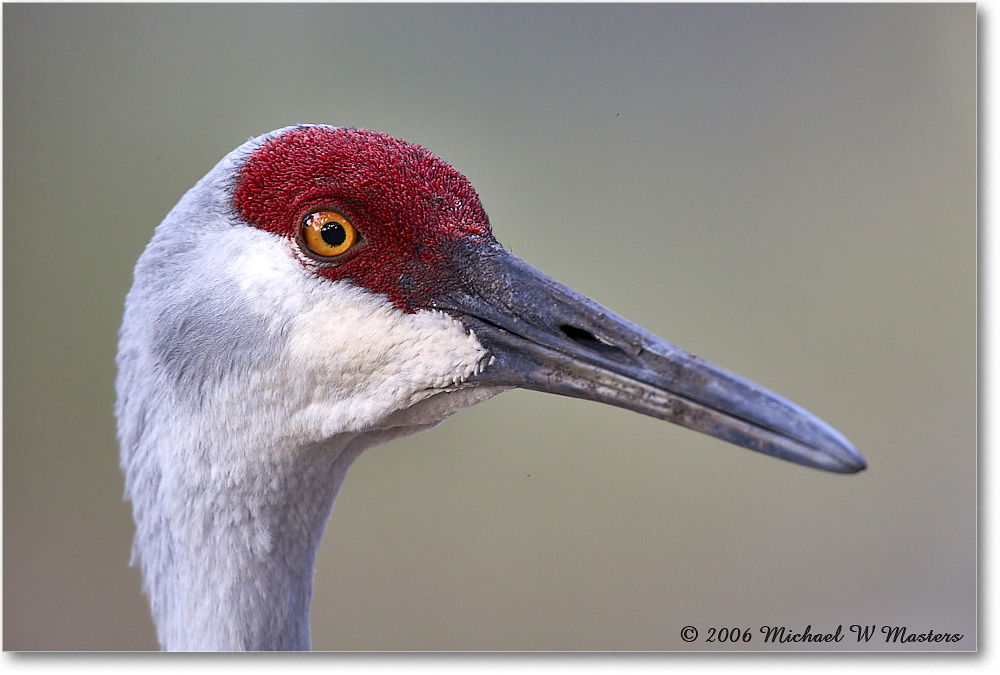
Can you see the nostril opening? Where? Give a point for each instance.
(587, 339)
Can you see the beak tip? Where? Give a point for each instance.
(860, 465)
(853, 468)
(848, 460)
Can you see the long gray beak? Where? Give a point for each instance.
(547, 337)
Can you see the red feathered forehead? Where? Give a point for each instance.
(406, 203)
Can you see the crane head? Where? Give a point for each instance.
(323, 290)
(363, 269)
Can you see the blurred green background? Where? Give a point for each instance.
(788, 191)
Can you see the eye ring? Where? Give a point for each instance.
(328, 234)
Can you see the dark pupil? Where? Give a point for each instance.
(333, 233)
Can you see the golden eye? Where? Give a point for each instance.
(328, 234)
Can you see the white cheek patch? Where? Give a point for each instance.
(364, 358)
(348, 358)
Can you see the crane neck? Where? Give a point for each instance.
(237, 548)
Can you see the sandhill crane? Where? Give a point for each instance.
(323, 290)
